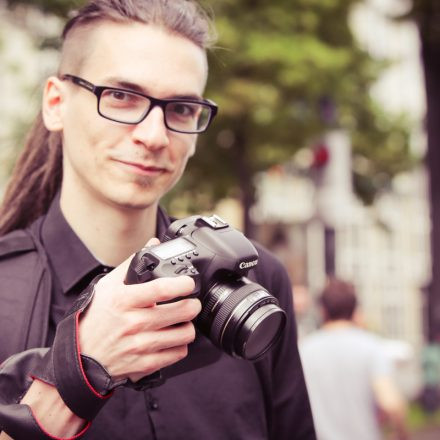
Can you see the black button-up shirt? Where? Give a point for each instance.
(217, 398)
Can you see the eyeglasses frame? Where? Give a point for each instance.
(155, 102)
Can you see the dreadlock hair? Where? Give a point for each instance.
(37, 175)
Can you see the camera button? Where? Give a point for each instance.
(195, 253)
(188, 256)
(173, 261)
(180, 258)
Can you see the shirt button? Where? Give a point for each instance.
(154, 405)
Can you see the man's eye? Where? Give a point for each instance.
(120, 96)
(182, 109)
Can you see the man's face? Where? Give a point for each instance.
(129, 166)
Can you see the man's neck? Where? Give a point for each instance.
(338, 324)
(111, 234)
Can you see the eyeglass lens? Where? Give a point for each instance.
(131, 108)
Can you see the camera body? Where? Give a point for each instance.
(239, 316)
(205, 248)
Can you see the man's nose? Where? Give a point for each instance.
(152, 131)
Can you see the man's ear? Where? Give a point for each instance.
(53, 98)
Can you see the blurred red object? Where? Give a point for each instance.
(321, 156)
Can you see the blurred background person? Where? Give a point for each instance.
(348, 373)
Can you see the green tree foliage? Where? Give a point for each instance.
(282, 72)
(285, 72)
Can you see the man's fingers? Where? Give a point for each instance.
(145, 343)
(153, 242)
(177, 312)
(163, 316)
(157, 291)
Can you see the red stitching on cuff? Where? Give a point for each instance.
(81, 433)
(78, 351)
(41, 380)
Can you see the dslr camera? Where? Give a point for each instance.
(238, 316)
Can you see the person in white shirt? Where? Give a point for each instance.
(348, 374)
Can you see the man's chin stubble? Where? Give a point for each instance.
(144, 181)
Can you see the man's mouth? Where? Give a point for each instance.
(142, 168)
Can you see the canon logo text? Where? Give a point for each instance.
(247, 265)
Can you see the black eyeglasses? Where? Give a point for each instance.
(128, 107)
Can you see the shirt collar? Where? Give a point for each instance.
(68, 256)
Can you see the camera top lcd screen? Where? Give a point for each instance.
(172, 248)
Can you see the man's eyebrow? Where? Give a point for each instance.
(128, 85)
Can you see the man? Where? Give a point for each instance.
(122, 117)
(348, 373)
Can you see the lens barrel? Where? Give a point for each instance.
(242, 318)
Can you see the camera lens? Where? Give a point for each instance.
(260, 331)
(242, 318)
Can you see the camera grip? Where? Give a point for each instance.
(146, 267)
(139, 270)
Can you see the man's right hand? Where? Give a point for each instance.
(129, 329)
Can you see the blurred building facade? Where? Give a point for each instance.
(319, 227)
(316, 224)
